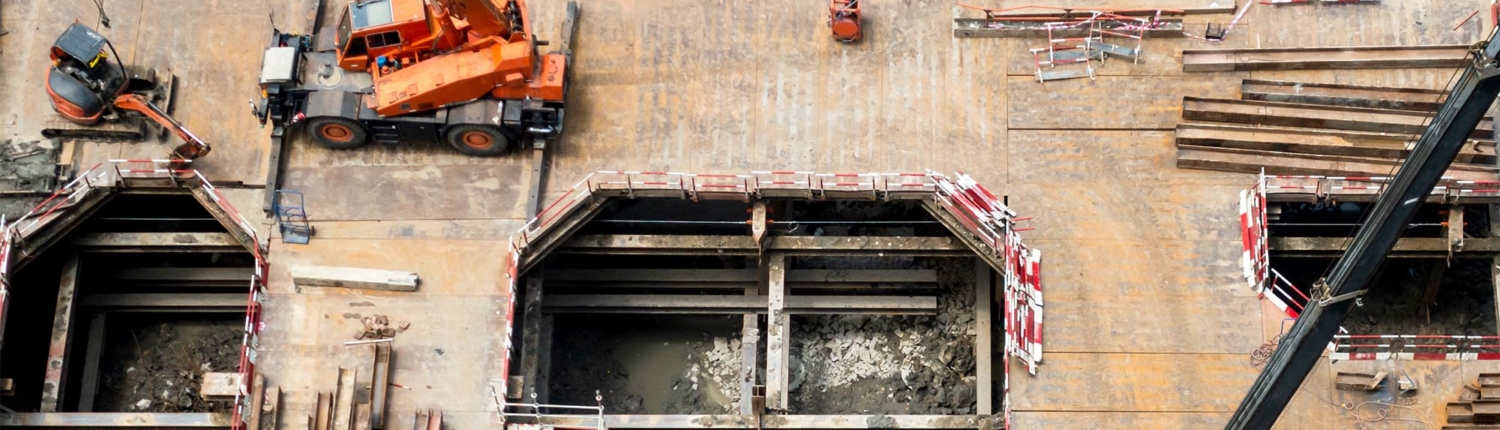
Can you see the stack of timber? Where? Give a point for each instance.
(1296, 128)
(359, 399)
(1479, 407)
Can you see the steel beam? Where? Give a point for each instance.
(166, 302)
(1417, 99)
(531, 338)
(812, 422)
(1406, 247)
(55, 377)
(1347, 57)
(158, 242)
(89, 386)
(1316, 116)
(115, 420)
(233, 277)
(787, 245)
(732, 277)
(983, 376)
(779, 326)
(736, 304)
(1347, 143)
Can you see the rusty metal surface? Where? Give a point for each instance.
(1142, 256)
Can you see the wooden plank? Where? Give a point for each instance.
(257, 401)
(220, 385)
(1415, 99)
(55, 377)
(778, 344)
(1347, 57)
(983, 374)
(818, 422)
(352, 277)
(325, 411)
(419, 420)
(1319, 141)
(1275, 163)
(89, 386)
(343, 405)
(1313, 116)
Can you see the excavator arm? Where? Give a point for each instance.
(192, 146)
(1303, 345)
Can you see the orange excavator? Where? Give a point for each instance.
(85, 87)
(462, 71)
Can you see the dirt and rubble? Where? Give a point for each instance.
(1465, 303)
(157, 365)
(866, 364)
(862, 364)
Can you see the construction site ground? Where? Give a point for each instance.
(1149, 323)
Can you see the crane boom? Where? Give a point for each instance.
(1302, 346)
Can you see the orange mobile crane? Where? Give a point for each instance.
(462, 71)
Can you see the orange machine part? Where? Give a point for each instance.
(504, 70)
(843, 18)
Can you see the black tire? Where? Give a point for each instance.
(338, 133)
(478, 140)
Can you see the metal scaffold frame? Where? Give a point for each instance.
(129, 173)
(977, 217)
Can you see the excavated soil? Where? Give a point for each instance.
(157, 365)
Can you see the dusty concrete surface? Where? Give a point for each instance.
(1142, 271)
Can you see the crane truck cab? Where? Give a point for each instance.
(464, 72)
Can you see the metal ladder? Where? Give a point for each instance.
(291, 219)
(1069, 50)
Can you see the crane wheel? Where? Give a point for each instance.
(338, 133)
(478, 140)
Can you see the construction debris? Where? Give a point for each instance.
(220, 385)
(380, 327)
(1039, 21)
(350, 277)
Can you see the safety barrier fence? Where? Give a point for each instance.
(1255, 258)
(979, 212)
(1369, 185)
(1414, 347)
(1291, 299)
(120, 173)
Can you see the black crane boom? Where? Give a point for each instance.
(1301, 347)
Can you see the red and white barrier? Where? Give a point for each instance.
(119, 173)
(1407, 347)
(1255, 258)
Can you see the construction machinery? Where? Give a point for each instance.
(1471, 96)
(465, 72)
(844, 20)
(87, 88)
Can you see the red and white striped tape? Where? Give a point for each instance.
(1414, 347)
